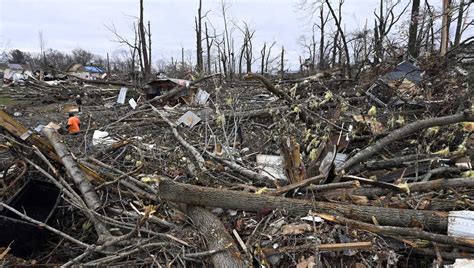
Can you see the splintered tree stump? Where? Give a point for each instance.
(217, 238)
(293, 163)
(205, 196)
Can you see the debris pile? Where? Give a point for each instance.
(252, 172)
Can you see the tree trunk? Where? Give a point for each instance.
(343, 37)
(444, 29)
(293, 163)
(141, 29)
(321, 39)
(457, 36)
(217, 238)
(208, 47)
(282, 63)
(75, 173)
(412, 49)
(204, 196)
(198, 23)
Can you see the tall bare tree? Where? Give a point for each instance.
(384, 23)
(322, 23)
(460, 24)
(412, 32)
(209, 42)
(198, 29)
(143, 44)
(337, 21)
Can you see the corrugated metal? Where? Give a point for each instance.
(461, 223)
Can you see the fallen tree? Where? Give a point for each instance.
(205, 196)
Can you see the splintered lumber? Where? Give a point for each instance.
(217, 238)
(320, 247)
(402, 133)
(15, 128)
(400, 231)
(206, 196)
(293, 162)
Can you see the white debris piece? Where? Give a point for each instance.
(132, 103)
(461, 263)
(461, 223)
(312, 219)
(272, 166)
(201, 97)
(102, 138)
(190, 119)
(122, 95)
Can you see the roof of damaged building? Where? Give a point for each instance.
(405, 69)
(77, 67)
(14, 66)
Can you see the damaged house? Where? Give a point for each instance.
(89, 72)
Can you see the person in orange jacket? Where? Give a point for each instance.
(73, 124)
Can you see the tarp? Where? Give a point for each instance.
(94, 69)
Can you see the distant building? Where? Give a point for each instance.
(14, 71)
(86, 71)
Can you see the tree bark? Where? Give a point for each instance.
(217, 238)
(412, 49)
(293, 163)
(141, 29)
(459, 30)
(444, 28)
(198, 24)
(73, 170)
(205, 196)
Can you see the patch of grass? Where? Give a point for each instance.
(5, 100)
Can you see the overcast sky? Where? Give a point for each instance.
(81, 23)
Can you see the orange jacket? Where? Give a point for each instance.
(73, 124)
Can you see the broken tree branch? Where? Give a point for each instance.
(403, 132)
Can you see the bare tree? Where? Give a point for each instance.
(460, 24)
(384, 23)
(322, 23)
(262, 55)
(82, 56)
(282, 63)
(412, 32)
(209, 42)
(198, 29)
(227, 45)
(337, 21)
(246, 50)
(143, 44)
(133, 46)
(265, 57)
(445, 27)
